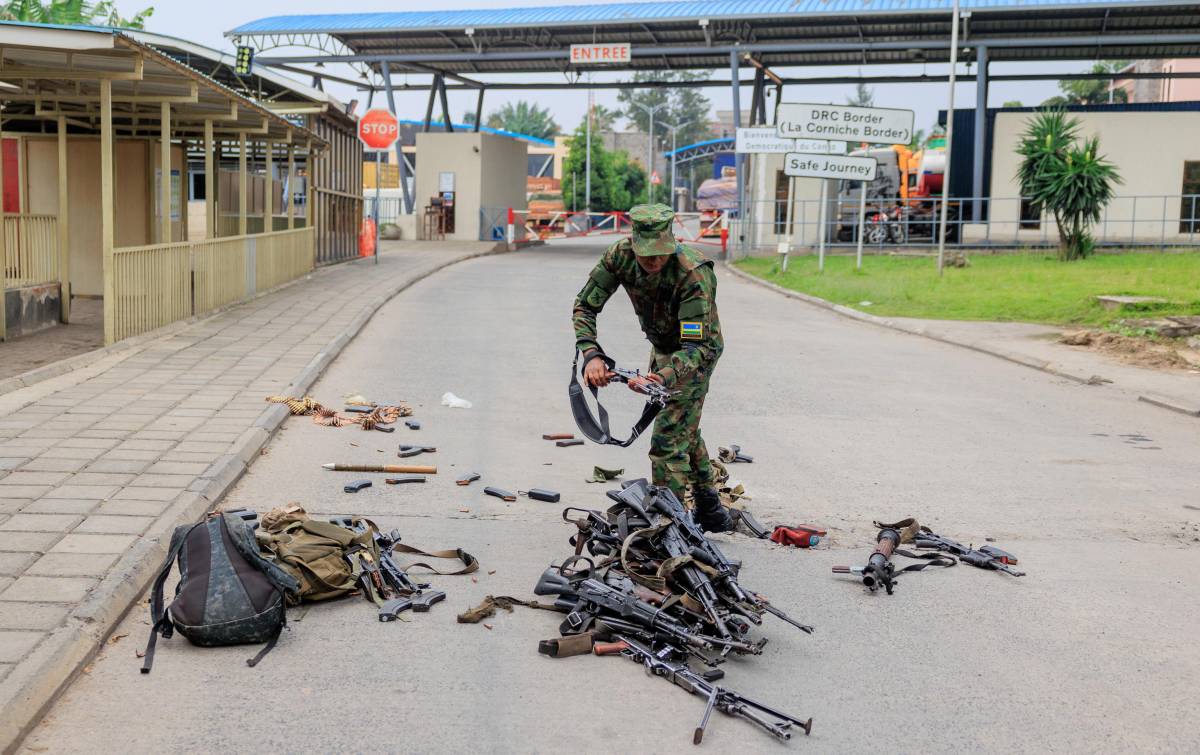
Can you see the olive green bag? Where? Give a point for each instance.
(315, 553)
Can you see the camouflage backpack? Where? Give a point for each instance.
(228, 594)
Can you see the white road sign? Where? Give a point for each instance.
(794, 120)
(804, 165)
(762, 139)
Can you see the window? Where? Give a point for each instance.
(1189, 203)
(1031, 216)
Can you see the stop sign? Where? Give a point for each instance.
(378, 129)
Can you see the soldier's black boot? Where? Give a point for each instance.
(710, 514)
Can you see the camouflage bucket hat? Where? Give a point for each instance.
(652, 235)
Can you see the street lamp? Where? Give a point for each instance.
(674, 130)
(650, 146)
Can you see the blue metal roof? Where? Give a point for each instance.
(616, 13)
(438, 125)
(723, 140)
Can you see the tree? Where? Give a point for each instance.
(616, 180)
(1068, 177)
(468, 117)
(603, 119)
(1091, 91)
(103, 13)
(678, 106)
(864, 96)
(1012, 103)
(524, 118)
(918, 140)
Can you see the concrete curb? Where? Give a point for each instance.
(46, 672)
(1164, 402)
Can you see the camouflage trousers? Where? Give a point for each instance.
(678, 457)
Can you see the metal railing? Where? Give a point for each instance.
(493, 224)
(157, 284)
(30, 250)
(894, 223)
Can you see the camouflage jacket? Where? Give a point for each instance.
(677, 307)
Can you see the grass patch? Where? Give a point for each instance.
(1010, 287)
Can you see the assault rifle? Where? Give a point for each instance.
(731, 703)
(588, 599)
(398, 592)
(597, 430)
(706, 552)
(987, 557)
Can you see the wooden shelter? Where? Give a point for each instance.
(95, 129)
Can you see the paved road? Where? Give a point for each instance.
(1095, 650)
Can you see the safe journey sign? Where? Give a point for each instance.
(794, 120)
(849, 167)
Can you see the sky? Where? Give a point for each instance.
(206, 24)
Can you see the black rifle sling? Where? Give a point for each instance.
(597, 431)
(930, 559)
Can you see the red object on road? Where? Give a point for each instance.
(378, 129)
(366, 238)
(800, 535)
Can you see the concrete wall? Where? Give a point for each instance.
(1148, 149)
(489, 172)
(133, 197)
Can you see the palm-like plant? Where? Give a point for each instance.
(1071, 180)
(524, 118)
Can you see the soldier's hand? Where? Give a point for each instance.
(638, 384)
(596, 373)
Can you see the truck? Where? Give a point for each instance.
(901, 201)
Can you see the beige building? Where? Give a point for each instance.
(483, 173)
(94, 180)
(1157, 154)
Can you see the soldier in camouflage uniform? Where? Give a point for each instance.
(673, 290)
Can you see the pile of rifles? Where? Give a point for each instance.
(653, 588)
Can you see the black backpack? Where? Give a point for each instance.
(228, 594)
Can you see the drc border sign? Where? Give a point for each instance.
(795, 120)
(378, 129)
(803, 165)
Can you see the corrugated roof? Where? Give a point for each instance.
(610, 13)
(438, 126)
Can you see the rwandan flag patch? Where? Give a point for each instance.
(691, 331)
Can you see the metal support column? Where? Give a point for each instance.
(107, 221)
(243, 185)
(164, 166)
(756, 97)
(291, 204)
(391, 98)
(437, 78)
(269, 193)
(941, 238)
(738, 161)
(64, 226)
(981, 94)
(447, 124)
(479, 110)
(210, 183)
